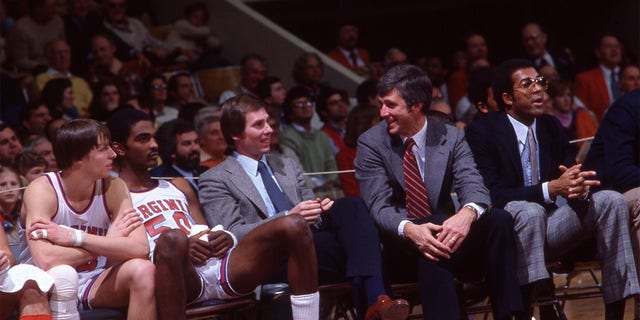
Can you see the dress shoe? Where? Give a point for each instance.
(387, 309)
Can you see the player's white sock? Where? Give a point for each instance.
(64, 294)
(305, 306)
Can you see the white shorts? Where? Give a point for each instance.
(215, 282)
(86, 280)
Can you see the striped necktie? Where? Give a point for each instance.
(417, 200)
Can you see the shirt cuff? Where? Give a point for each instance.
(545, 192)
(401, 227)
(478, 207)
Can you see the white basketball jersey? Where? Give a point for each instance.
(93, 219)
(162, 208)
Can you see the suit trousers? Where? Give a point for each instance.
(488, 252)
(346, 242)
(543, 233)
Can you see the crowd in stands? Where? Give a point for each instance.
(99, 108)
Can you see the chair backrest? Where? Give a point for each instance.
(214, 81)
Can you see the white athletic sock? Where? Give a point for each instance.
(305, 306)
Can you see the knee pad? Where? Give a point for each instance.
(64, 295)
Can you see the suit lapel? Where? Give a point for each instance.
(241, 180)
(544, 151)
(509, 144)
(435, 160)
(395, 157)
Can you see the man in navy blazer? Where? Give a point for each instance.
(615, 156)
(468, 243)
(543, 228)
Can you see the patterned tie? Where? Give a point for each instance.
(615, 89)
(354, 58)
(530, 160)
(278, 198)
(417, 200)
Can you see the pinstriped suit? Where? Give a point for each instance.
(544, 229)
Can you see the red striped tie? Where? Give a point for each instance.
(416, 194)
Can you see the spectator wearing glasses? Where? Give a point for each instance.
(333, 108)
(525, 161)
(155, 97)
(534, 42)
(312, 146)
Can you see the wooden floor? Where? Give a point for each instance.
(583, 309)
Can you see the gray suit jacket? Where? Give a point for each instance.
(449, 164)
(229, 198)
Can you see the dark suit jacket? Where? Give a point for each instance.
(495, 148)
(563, 63)
(449, 165)
(228, 196)
(615, 150)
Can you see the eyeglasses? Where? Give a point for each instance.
(528, 84)
(114, 5)
(159, 86)
(303, 104)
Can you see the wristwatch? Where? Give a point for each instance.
(472, 208)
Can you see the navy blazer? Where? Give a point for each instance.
(615, 150)
(494, 145)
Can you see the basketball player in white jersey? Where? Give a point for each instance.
(82, 217)
(190, 269)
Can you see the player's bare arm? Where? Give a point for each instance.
(40, 203)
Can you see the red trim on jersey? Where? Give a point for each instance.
(224, 281)
(87, 292)
(64, 195)
(157, 184)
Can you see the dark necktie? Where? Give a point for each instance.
(354, 58)
(417, 200)
(278, 198)
(615, 89)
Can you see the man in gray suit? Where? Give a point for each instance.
(407, 166)
(252, 187)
